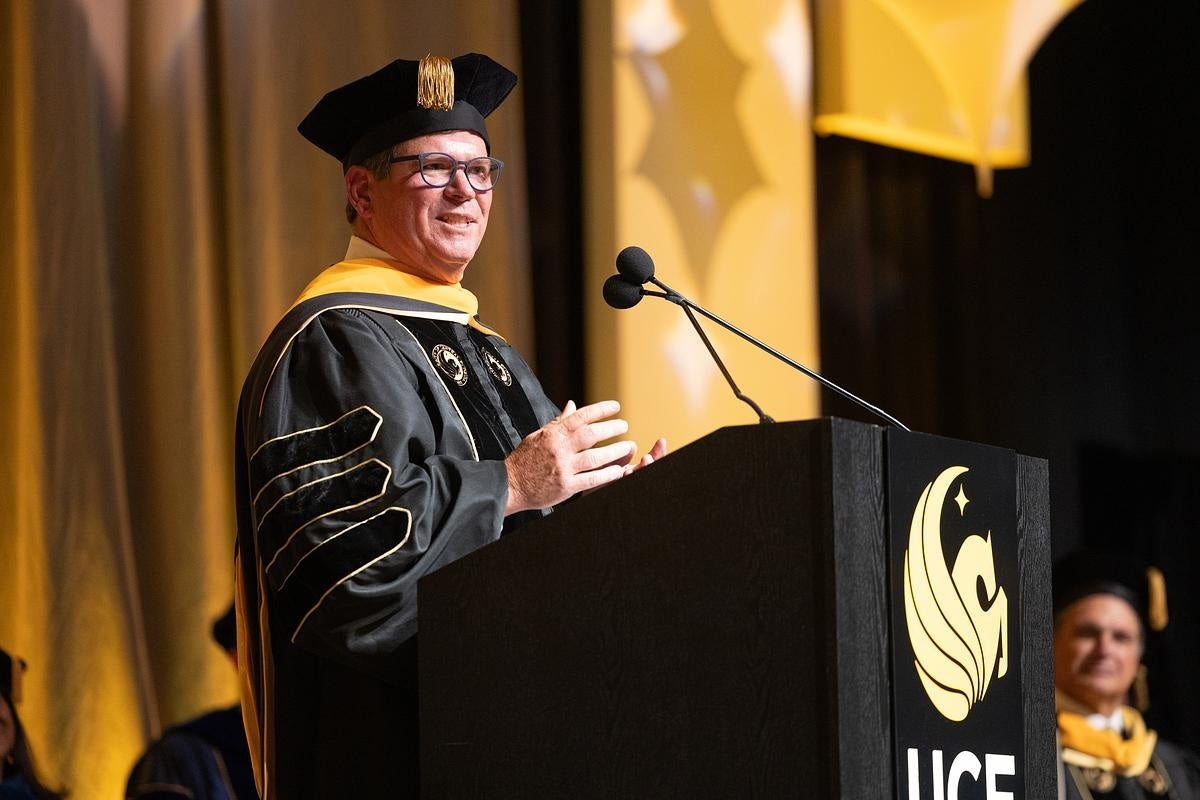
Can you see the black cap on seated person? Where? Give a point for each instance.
(224, 630)
(404, 100)
(1088, 572)
(11, 671)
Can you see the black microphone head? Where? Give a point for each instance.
(620, 293)
(635, 265)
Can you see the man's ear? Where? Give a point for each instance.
(358, 190)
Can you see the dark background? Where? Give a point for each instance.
(1055, 318)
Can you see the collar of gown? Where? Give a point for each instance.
(1093, 740)
(1113, 722)
(371, 270)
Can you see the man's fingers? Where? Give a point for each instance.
(567, 410)
(589, 413)
(587, 436)
(600, 410)
(658, 451)
(617, 453)
(598, 477)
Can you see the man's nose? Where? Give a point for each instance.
(459, 183)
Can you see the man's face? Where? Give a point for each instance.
(1097, 646)
(433, 232)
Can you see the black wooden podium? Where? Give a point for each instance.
(715, 626)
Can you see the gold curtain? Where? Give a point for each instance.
(158, 213)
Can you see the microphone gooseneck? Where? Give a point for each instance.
(625, 291)
(636, 268)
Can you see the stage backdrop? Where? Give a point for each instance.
(699, 147)
(158, 213)
(946, 79)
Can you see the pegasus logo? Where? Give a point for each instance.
(957, 618)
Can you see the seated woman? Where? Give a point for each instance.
(18, 778)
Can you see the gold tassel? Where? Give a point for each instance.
(435, 83)
(1140, 691)
(1157, 612)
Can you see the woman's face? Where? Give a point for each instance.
(8, 733)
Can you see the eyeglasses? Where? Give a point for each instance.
(437, 169)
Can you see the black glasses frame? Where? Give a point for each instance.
(495, 164)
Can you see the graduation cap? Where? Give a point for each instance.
(1088, 572)
(406, 99)
(12, 669)
(224, 630)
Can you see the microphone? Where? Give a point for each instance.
(620, 293)
(625, 291)
(635, 265)
(635, 268)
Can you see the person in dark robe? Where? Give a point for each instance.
(384, 430)
(1105, 606)
(205, 758)
(19, 779)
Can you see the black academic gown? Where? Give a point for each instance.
(205, 758)
(15, 788)
(370, 443)
(1174, 774)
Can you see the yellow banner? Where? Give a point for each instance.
(938, 77)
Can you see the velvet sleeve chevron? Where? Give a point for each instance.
(361, 479)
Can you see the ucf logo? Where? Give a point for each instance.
(957, 617)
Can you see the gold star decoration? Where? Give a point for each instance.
(961, 499)
(696, 154)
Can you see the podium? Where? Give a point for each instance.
(729, 623)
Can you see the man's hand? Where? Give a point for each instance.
(560, 459)
(658, 451)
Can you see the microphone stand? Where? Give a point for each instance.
(683, 303)
(763, 418)
(688, 306)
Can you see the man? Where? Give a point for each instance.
(1103, 608)
(205, 758)
(384, 431)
